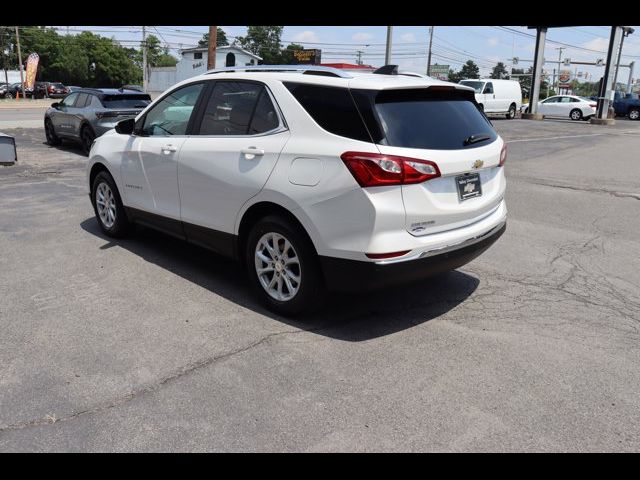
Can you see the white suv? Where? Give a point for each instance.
(313, 178)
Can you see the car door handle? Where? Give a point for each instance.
(167, 149)
(252, 152)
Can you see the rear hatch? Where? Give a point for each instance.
(443, 125)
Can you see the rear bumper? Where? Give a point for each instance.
(353, 275)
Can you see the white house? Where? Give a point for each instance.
(193, 62)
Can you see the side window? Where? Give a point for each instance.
(69, 100)
(332, 108)
(265, 117)
(551, 100)
(82, 100)
(574, 100)
(488, 88)
(95, 102)
(171, 115)
(197, 55)
(230, 108)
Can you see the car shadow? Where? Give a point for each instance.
(67, 146)
(352, 317)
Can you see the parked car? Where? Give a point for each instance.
(497, 96)
(3, 89)
(73, 88)
(56, 90)
(312, 177)
(88, 113)
(627, 105)
(567, 106)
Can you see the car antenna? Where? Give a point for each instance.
(387, 70)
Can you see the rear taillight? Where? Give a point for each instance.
(593, 105)
(376, 169)
(503, 155)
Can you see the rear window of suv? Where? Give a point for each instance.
(424, 118)
(126, 101)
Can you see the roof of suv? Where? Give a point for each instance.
(329, 77)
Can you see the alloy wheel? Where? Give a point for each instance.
(106, 205)
(278, 266)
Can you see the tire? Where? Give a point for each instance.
(114, 223)
(526, 110)
(307, 292)
(634, 114)
(512, 112)
(50, 132)
(575, 114)
(86, 138)
(9, 95)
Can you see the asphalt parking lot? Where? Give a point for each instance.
(151, 344)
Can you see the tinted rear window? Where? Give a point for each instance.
(126, 101)
(423, 118)
(332, 108)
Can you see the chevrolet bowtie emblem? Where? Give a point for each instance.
(478, 164)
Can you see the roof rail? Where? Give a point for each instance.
(304, 69)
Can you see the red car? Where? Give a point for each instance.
(57, 90)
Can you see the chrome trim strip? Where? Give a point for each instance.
(447, 248)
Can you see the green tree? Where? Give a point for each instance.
(287, 53)
(85, 59)
(470, 70)
(264, 41)
(500, 71)
(455, 76)
(221, 38)
(157, 55)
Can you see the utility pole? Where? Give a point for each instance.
(359, 60)
(387, 54)
(145, 80)
(213, 43)
(559, 61)
(4, 60)
(429, 57)
(626, 31)
(631, 65)
(20, 60)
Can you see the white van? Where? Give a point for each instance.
(497, 96)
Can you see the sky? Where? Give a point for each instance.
(485, 45)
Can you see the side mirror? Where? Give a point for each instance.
(55, 105)
(125, 127)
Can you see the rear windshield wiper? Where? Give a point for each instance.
(476, 138)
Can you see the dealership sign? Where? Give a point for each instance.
(441, 72)
(32, 68)
(305, 56)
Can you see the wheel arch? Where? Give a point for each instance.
(260, 210)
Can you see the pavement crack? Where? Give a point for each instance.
(50, 419)
(613, 193)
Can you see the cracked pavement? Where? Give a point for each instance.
(150, 344)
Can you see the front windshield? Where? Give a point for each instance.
(476, 85)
